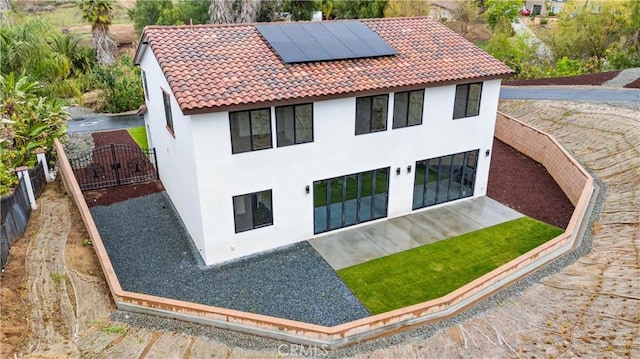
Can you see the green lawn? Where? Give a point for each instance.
(434, 270)
(139, 134)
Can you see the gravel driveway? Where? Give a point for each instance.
(152, 254)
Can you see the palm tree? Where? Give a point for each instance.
(52, 59)
(99, 13)
(22, 45)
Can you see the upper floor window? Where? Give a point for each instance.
(294, 124)
(167, 111)
(250, 130)
(371, 114)
(467, 100)
(252, 210)
(144, 84)
(407, 108)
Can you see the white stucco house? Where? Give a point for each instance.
(270, 134)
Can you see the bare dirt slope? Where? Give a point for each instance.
(57, 305)
(53, 287)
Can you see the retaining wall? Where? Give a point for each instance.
(572, 178)
(542, 148)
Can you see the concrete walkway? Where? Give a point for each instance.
(523, 31)
(357, 245)
(624, 78)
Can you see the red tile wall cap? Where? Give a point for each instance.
(212, 68)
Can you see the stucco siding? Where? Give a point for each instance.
(336, 151)
(176, 155)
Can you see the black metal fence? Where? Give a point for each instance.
(15, 210)
(114, 165)
(38, 179)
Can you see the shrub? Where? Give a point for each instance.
(623, 59)
(28, 123)
(121, 84)
(544, 21)
(568, 67)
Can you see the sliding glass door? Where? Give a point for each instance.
(444, 179)
(347, 200)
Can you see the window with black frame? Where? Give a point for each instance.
(144, 84)
(250, 130)
(443, 179)
(252, 210)
(347, 200)
(467, 102)
(294, 124)
(167, 111)
(407, 108)
(371, 114)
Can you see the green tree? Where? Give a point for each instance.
(165, 12)
(358, 9)
(146, 12)
(591, 31)
(195, 10)
(499, 14)
(81, 58)
(406, 8)
(269, 11)
(99, 13)
(514, 52)
(22, 45)
(466, 13)
(53, 59)
(327, 9)
(301, 10)
(121, 84)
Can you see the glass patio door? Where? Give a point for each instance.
(444, 179)
(347, 200)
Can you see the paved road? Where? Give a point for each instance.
(93, 123)
(627, 97)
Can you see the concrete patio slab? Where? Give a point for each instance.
(361, 244)
(487, 212)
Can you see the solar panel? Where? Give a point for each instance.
(323, 41)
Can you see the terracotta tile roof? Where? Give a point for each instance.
(215, 67)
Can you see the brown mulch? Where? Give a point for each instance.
(525, 185)
(108, 137)
(110, 195)
(585, 80)
(634, 85)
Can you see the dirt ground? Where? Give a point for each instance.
(53, 285)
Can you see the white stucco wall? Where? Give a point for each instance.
(176, 155)
(287, 170)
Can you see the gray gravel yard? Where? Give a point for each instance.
(152, 254)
